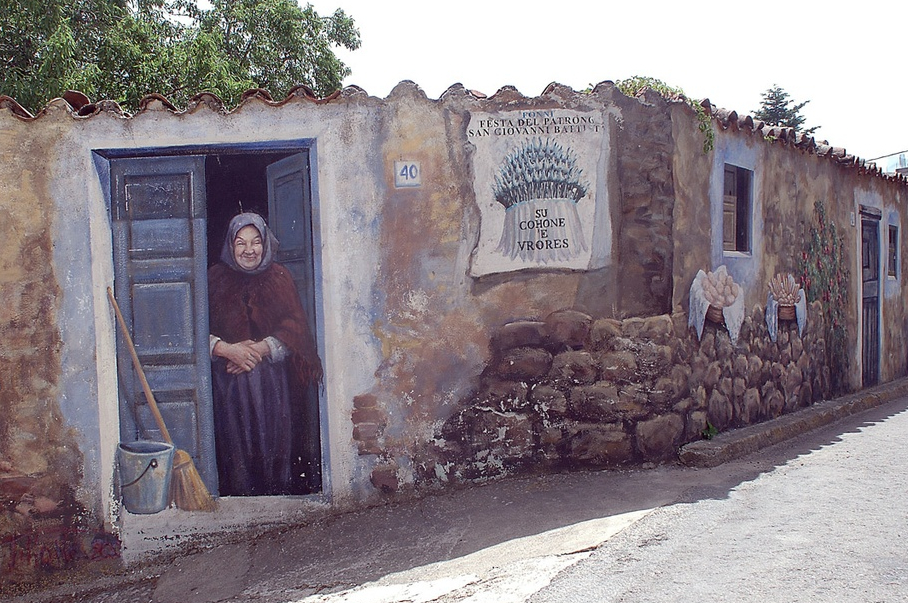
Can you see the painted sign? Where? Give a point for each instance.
(537, 185)
(407, 174)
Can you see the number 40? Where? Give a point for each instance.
(407, 174)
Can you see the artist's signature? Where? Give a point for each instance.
(55, 549)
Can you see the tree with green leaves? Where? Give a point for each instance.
(776, 109)
(125, 49)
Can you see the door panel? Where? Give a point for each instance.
(160, 238)
(870, 306)
(159, 230)
(290, 217)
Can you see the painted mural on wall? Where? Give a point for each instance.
(444, 377)
(570, 390)
(264, 361)
(825, 274)
(249, 416)
(715, 295)
(785, 300)
(539, 184)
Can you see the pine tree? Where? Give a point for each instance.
(775, 110)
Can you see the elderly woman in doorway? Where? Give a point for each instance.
(263, 357)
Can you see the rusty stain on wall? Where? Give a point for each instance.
(433, 373)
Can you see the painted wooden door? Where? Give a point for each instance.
(870, 300)
(290, 218)
(158, 218)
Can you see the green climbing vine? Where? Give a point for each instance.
(825, 275)
(634, 86)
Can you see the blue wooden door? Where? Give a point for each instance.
(290, 218)
(158, 217)
(870, 298)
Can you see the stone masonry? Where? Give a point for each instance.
(570, 391)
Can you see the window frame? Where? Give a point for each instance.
(737, 205)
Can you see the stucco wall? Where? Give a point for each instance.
(410, 304)
(788, 182)
(46, 515)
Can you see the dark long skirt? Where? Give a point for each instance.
(253, 421)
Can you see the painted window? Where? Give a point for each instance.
(737, 208)
(893, 251)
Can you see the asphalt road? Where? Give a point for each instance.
(820, 517)
(828, 523)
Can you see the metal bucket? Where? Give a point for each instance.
(145, 469)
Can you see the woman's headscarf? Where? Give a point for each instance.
(269, 242)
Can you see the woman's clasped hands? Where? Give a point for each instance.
(242, 356)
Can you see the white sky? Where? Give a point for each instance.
(848, 58)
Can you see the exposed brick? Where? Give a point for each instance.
(369, 447)
(365, 432)
(368, 415)
(365, 401)
(385, 478)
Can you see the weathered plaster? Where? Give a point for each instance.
(42, 457)
(747, 153)
(416, 343)
(692, 212)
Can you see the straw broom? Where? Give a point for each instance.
(186, 486)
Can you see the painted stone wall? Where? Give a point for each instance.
(436, 323)
(532, 406)
(442, 362)
(646, 180)
(571, 391)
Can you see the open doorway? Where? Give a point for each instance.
(276, 186)
(169, 213)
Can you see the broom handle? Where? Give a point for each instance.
(138, 365)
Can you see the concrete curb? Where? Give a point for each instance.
(734, 444)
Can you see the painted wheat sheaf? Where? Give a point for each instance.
(539, 185)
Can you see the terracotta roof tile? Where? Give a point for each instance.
(80, 106)
(13, 107)
(799, 140)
